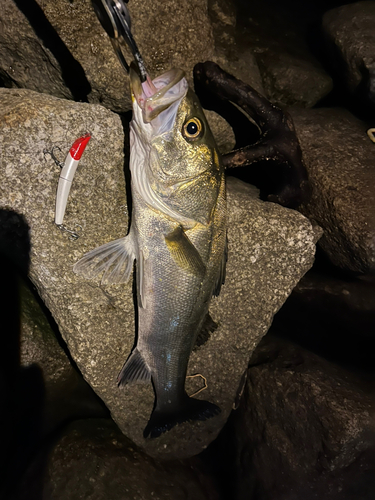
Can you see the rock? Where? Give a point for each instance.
(21, 388)
(270, 248)
(326, 312)
(349, 31)
(339, 158)
(67, 394)
(233, 57)
(222, 131)
(291, 74)
(292, 78)
(107, 465)
(304, 429)
(61, 48)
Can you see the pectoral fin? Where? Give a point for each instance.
(114, 260)
(184, 252)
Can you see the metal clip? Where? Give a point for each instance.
(73, 235)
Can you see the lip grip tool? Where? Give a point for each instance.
(67, 174)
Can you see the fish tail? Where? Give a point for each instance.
(191, 409)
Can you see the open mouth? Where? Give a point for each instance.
(155, 96)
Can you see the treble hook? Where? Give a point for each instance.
(58, 162)
(73, 235)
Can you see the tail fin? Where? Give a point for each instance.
(192, 409)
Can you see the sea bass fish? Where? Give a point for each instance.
(177, 238)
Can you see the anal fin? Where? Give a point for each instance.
(134, 370)
(184, 252)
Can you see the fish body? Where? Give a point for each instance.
(177, 237)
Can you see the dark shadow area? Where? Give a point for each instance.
(22, 389)
(221, 461)
(331, 59)
(332, 313)
(71, 70)
(32, 416)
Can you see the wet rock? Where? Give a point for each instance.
(61, 48)
(349, 31)
(270, 248)
(291, 74)
(339, 158)
(304, 429)
(94, 460)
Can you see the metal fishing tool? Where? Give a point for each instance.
(115, 20)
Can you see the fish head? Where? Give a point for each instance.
(181, 162)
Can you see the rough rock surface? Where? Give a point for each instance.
(233, 57)
(107, 465)
(67, 395)
(291, 74)
(305, 428)
(351, 45)
(38, 342)
(339, 158)
(270, 248)
(61, 48)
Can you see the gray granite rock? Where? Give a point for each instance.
(61, 49)
(339, 157)
(38, 341)
(304, 429)
(67, 394)
(24, 62)
(270, 248)
(94, 461)
(351, 46)
(222, 131)
(290, 73)
(235, 58)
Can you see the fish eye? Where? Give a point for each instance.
(192, 129)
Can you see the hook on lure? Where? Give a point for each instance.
(115, 20)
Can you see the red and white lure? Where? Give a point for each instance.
(67, 174)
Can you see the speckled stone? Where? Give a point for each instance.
(291, 75)
(270, 248)
(339, 157)
(168, 34)
(350, 31)
(94, 461)
(304, 429)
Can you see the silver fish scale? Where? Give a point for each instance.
(177, 302)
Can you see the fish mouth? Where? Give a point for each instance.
(155, 96)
